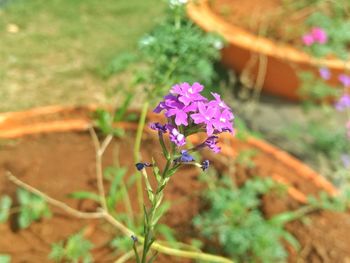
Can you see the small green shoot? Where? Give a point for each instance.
(31, 208)
(235, 220)
(75, 249)
(5, 206)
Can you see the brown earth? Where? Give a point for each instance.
(61, 163)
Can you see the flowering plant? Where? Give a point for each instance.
(187, 112)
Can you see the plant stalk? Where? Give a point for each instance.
(137, 154)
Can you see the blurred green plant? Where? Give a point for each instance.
(118, 192)
(235, 220)
(30, 208)
(75, 249)
(5, 206)
(104, 119)
(333, 17)
(245, 158)
(324, 142)
(314, 89)
(5, 258)
(175, 51)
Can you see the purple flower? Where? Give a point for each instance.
(345, 80)
(189, 112)
(211, 143)
(180, 114)
(343, 103)
(319, 35)
(308, 39)
(223, 121)
(325, 73)
(140, 166)
(187, 93)
(169, 101)
(158, 127)
(176, 137)
(185, 157)
(221, 103)
(206, 116)
(205, 165)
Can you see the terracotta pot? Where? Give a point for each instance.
(282, 61)
(285, 169)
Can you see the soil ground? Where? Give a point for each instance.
(59, 164)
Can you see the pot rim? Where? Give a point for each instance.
(8, 130)
(200, 12)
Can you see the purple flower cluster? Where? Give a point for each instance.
(316, 35)
(187, 112)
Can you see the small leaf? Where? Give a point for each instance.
(5, 205)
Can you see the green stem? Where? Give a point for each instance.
(156, 201)
(137, 154)
(127, 204)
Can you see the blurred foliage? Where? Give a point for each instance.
(314, 89)
(235, 220)
(334, 19)
(75, 249)
(339, 203)
(5, 258)
(31, 208)
(175, 51)
(245, 157)
(5, 206)
(324, 141)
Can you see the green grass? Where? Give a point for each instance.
(62, 45)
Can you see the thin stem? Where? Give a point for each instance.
(100, 149)
(137, 154)
(52, 201)
(124, 189)
(127, 202)
(127, 255)
(126, 231)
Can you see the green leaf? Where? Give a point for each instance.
(32, 208)
(25, 218)
(75, 249)
(57, 251)
(163, 208)
(104, 121)
(119, 114)
(291, 240)
(85, 195)
(5, 205)
(115, 193)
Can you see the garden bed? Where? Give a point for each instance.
(61, 163)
